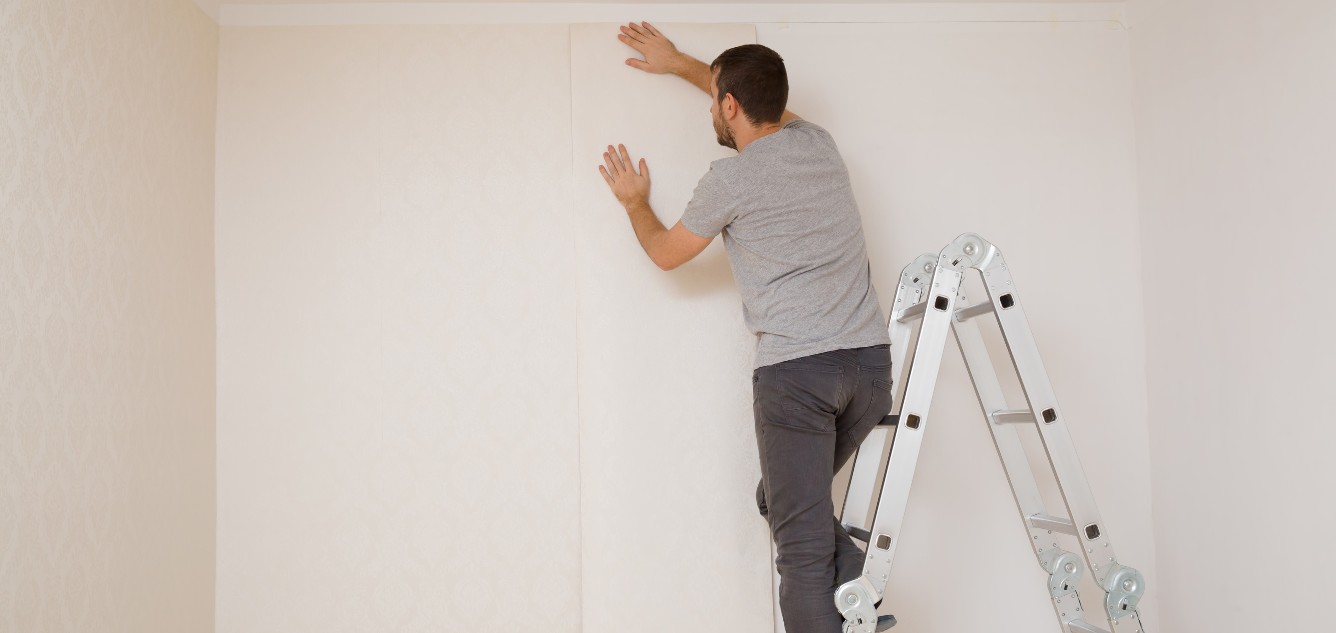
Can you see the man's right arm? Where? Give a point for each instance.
(695, 71)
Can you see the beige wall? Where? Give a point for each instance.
(107, 317)
(397, 424)
(409, 266)
(401, 232)
(1234, 106)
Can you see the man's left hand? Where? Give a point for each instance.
(629, 187)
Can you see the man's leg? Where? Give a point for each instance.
(869, 402)
(796, 405)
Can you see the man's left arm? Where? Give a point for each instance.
(667, 248)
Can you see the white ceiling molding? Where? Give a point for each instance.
(1106, 15)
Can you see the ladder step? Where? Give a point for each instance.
(965, 314)
(1049, 522)
(1081, 626)
(858, 533)
(1013, 417)
(912, 312)
(890, 419)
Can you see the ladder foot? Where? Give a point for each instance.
(885, 622)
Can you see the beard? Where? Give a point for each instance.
(724, 135)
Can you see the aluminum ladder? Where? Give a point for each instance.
(930, 290)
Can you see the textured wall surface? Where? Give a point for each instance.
(106, 316)
(1235, 164)
(398, 441)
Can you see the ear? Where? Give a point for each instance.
(729, 106)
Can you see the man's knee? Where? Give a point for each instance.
(760, 499)
(806, 561)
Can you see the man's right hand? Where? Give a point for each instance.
(660, 54)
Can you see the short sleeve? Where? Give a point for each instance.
(808, 127)
(711, 207)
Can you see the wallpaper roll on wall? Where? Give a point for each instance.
(672, 538)
(397, 430)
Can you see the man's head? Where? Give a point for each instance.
(749, 80)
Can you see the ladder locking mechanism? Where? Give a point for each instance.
(1064, 571)
(856, 602)
(1125, 586)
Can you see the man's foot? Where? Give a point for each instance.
(885, 622)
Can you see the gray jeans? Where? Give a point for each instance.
(811, 415)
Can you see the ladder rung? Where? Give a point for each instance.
(890, 419)
(858, 533)
(1013, 417)
(912, 312)
(964, 314)
(1081, 626)
(1049, 522)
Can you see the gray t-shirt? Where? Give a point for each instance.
(795, 241)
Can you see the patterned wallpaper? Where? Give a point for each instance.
(107, 322)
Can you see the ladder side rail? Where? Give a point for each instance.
(1062, 567)
(860, 497)
(856, 600)
(890, 512)
(1123, 585)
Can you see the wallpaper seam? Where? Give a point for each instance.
(575, 251)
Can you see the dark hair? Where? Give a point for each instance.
(755, 75)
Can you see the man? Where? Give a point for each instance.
(822, 376)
